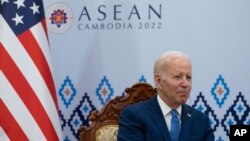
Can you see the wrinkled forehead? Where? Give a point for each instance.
(178, 64)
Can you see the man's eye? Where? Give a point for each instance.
(189, 78)
(177, 77)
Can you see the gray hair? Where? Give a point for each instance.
(161, 62)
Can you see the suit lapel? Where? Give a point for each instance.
(186, 123)
(158, 118)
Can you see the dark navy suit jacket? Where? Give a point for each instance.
(144, 121)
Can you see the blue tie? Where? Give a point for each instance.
(175, 126)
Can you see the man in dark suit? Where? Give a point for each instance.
(166, 117)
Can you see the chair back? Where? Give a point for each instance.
(104, 123)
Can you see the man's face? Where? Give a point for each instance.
(176, 82)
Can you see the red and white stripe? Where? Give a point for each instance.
(28, 105)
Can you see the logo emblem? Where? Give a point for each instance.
(59, 18)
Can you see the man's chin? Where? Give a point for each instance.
(183, 100)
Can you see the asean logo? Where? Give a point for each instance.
(59, 18)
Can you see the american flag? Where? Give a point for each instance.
(28, 103)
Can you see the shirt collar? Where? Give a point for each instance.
(165, 108)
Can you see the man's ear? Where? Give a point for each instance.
(158, 81)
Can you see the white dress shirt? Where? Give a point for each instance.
(166, 112)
